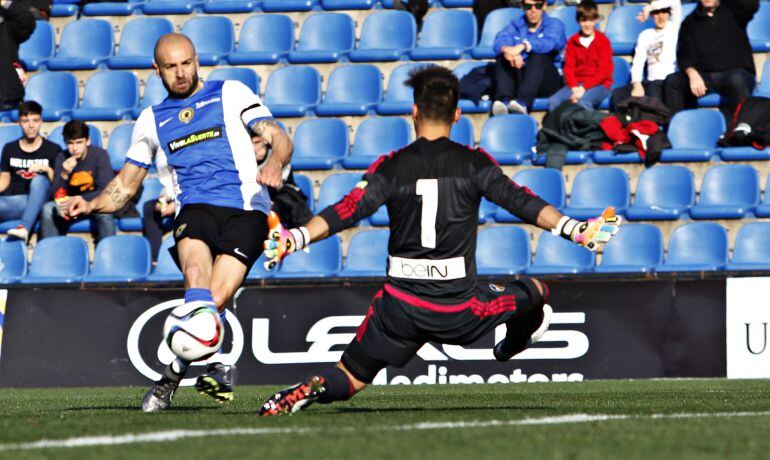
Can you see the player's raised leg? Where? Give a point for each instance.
(524, 331)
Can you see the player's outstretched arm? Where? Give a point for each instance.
(271, 172)
(117, 193)
(590, 234)
(282, 242)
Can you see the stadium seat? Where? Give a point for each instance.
(111, 8)
(763, 210)
(445, 34)
(510, 139)
(385, 36)
(154, 93)
(752, 248)
(230, 6)
(663, 192)
(596, 188)
(621, 76)
(324, 37)
(137, 43)
(399, 98)
(462, 132)
(557, 255)
(57, 92)
(213, 37)
(84, 44)
(502, 250)
(457, 3)
(57, 138)
(331, 5)
(288, 5)
(323, 260)
(306, 185)
(380, 218)
(293, 91)
(352, 90)
(468, 105)
(623, 28)
(166, 269)
(264, 39)
(171, 6)
(335, 187)
(638, 248)
(727, 192)
(10, 133)
(118, 144)
(39, 48)
(109, 95)
(377, 136)
(759, 29)
(58, 259)
(121, 259)
(700, 246)
(763, 89)
(13, 254)
(63, 10)
(320, 143)
(567, 15)
(547, 183)
(389, 3)
(151, 190)
(367, 254)
(495, 21)
(243, 74)
(693, 135)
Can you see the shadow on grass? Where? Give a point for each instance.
(180, 409)
(354, 410)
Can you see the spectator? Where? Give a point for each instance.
(84, 170)
(587, 63)
(26, 172)
(526, 51)
(714, 56)
(16, 25)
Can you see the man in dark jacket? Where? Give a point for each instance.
(714, 56)
(16, 25)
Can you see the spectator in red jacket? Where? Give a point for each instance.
(587, 63)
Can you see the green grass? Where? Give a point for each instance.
(371, 425)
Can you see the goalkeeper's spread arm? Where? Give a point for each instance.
(117, 193)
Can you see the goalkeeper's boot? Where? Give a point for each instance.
(215, 383)
(160, 395)
(504, 350)
(294, 398)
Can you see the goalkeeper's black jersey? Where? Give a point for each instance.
(432, 190)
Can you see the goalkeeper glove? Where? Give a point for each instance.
(592, 233)
(281, 242)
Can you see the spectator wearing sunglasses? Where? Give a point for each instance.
(527, 50)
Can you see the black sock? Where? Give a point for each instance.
(337, 384)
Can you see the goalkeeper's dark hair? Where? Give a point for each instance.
(436, 92)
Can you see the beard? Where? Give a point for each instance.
(183, 95)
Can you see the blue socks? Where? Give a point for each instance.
(193, 294)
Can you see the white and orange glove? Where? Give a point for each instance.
(281, 242)
(592, 233)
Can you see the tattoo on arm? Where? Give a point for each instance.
(261, 126)
(116, 194)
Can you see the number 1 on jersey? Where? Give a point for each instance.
(428, 190)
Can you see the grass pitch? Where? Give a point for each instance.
(688, 419)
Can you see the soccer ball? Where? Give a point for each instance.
(194, 331)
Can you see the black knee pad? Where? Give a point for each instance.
(362, 366)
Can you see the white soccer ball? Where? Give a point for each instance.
(194, 331)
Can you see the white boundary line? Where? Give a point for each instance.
(175, 435)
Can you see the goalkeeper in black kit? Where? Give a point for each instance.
(432, 189)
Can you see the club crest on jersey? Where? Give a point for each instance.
(496, 287)
(179, 230)
(362, 185)
(185, 115)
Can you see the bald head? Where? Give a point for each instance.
(173, 44)
(177, 65)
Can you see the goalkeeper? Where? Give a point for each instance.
(432, 189)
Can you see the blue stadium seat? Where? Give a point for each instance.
(243, 74)
(57, 92)
(10, 133)
(727, 192)
(557, 255)
(462, 132)
(166, 269)
(623, 28)
(752, 248)
(293, 91)
(334, 187)
(213, 37)
(759, 29)
(502, 250)
(171, 6)
(306, 185)
(663, 193)
(693, 135)
(137, 43)
(510, 139)
(445, 34)
(120, 259)
(84, 44)
(9, 224)
(154, 93)
(58, 259)
(118, 144)
(331, 5)
(745, 153)
(323, 260)
(325, 37)
(495, 21)
(111, 8)
(62, 10)
(567, 15)
(457, 3)
(700, 246)
(230, 6)
(264, 39)
(377, 136)
(709, 100)
(320, 143)
(39, 48)
(352, 90)
(109, 95)
(389, 3)
(151, 190)
(288, 5)
(13, 254)
(763, 210)
(596, 188)
(367, 254)
(637, 248)
(380, 218)
(467, 105)
(385, 36)
(763, 89)
(57, 138)
(621, 76)
(399, 97)
(547, 183)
